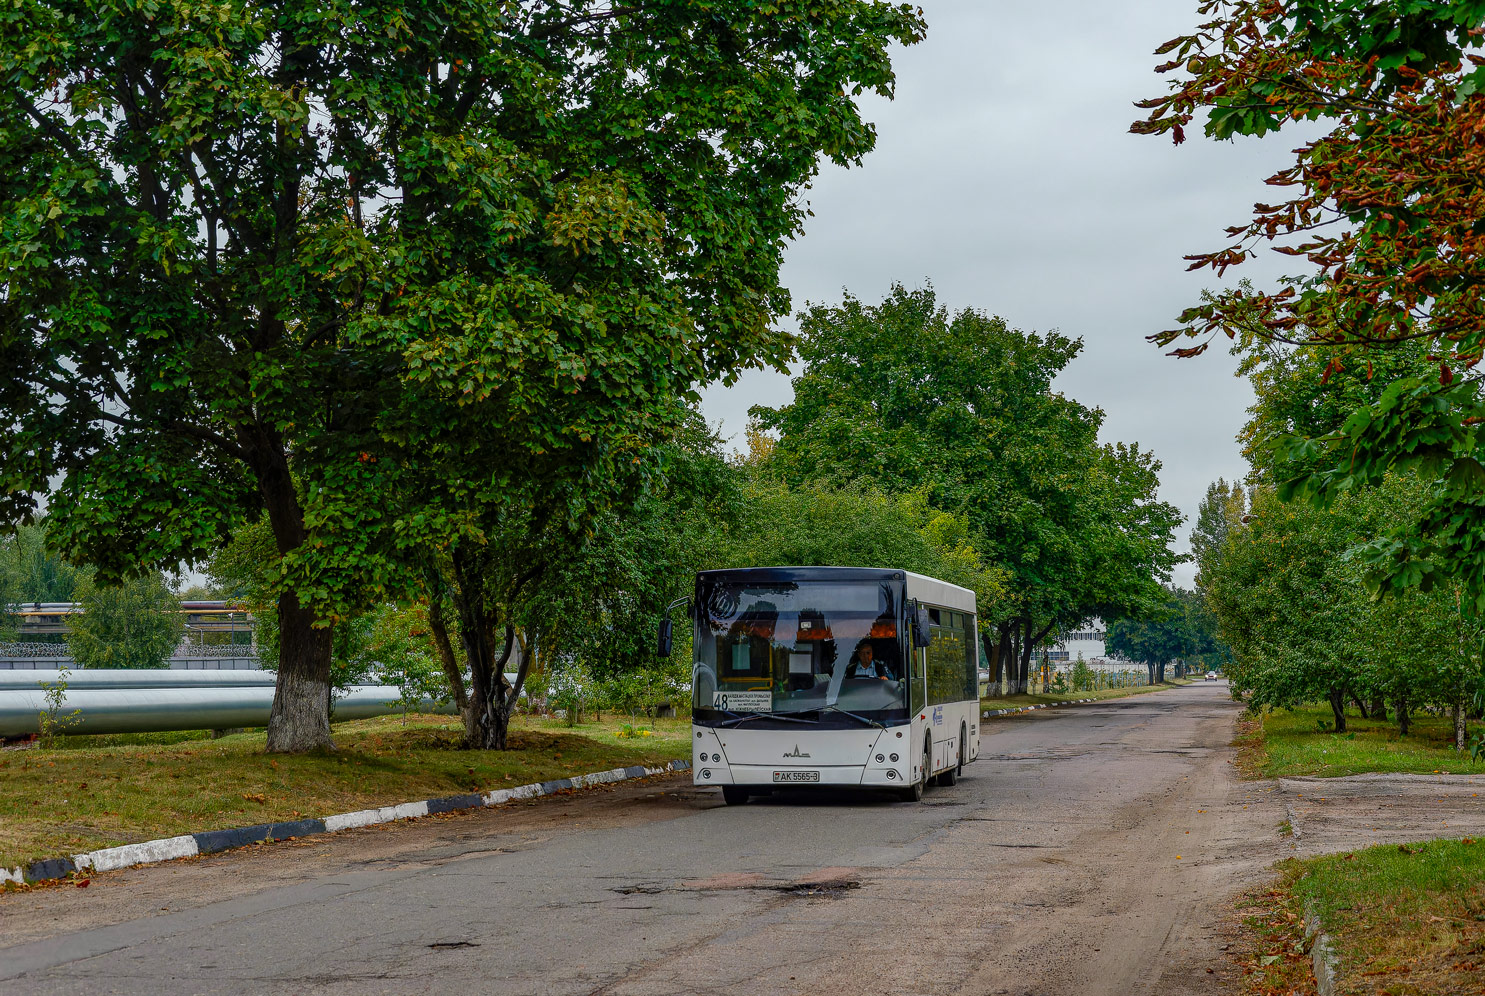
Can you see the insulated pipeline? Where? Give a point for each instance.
(204, 705)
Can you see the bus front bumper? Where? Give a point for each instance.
(763, 776)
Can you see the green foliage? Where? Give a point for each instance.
(857, 526)
(133, 624)
(1288, 603)
(403, 282)
(1081, 678)
(961, 409)
(52, 722)
(396, 648)
(31, 572)
(1366, 357)
(1476, 747)
(1158, 638)
(1290, 595)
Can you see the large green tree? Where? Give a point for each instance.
(257, 254)
(1291, 605)
(908, 397)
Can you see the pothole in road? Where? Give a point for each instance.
(829, 887)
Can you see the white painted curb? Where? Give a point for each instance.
(211, 841)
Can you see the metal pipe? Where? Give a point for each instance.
(123, 708)
(99, 677)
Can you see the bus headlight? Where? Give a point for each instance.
(880, 759)
(891, 772)
(894, 759)
(706, 772)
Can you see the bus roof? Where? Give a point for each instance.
(950, 596)
(919, 586)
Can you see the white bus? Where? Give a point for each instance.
(831, 676)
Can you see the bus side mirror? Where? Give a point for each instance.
(664, 638)
(922, 636)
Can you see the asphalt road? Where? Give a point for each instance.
(1091, 850)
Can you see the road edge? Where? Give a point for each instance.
(190, 845)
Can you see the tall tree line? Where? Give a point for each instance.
(905, 396)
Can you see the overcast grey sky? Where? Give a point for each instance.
(1005, 174)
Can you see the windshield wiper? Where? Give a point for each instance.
(745, 717)
(843, 712)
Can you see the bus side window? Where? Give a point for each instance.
(971, 658)
(919, 684)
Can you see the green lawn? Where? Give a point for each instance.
(1293, 743)
(1406, 919)
(91, 792)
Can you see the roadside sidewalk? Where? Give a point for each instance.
(1341, 814)
(1134, 693)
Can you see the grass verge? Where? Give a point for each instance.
(92, 792)
(1291, 742)
(1405, 920)
(1017, 701)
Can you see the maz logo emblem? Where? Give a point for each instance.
(796, 752)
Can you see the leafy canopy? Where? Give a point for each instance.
(231, 230)
(961, 408)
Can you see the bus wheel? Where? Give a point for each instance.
(734, 795)
(915, 792)
(951, 777)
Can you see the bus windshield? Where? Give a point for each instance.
(800, 646)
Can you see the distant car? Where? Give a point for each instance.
(984, 674)
(1211, 675)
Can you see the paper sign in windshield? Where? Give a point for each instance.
(744, 701)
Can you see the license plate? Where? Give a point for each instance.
(796, 776)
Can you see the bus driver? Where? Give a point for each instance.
(864, 664)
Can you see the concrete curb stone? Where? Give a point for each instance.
(214, 841)
(1322, 954)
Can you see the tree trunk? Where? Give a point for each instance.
(487, 721)
(491, 697)
(1379, 707)
(1403, 719)
(1028, 648)
(995, 659)
(446, 655)
(1459, 724)
(1150, 666)
(300, 717)
(1337, 698)
(1360, 706)
(1160, 672)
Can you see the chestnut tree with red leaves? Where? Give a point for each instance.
(1388, 210)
